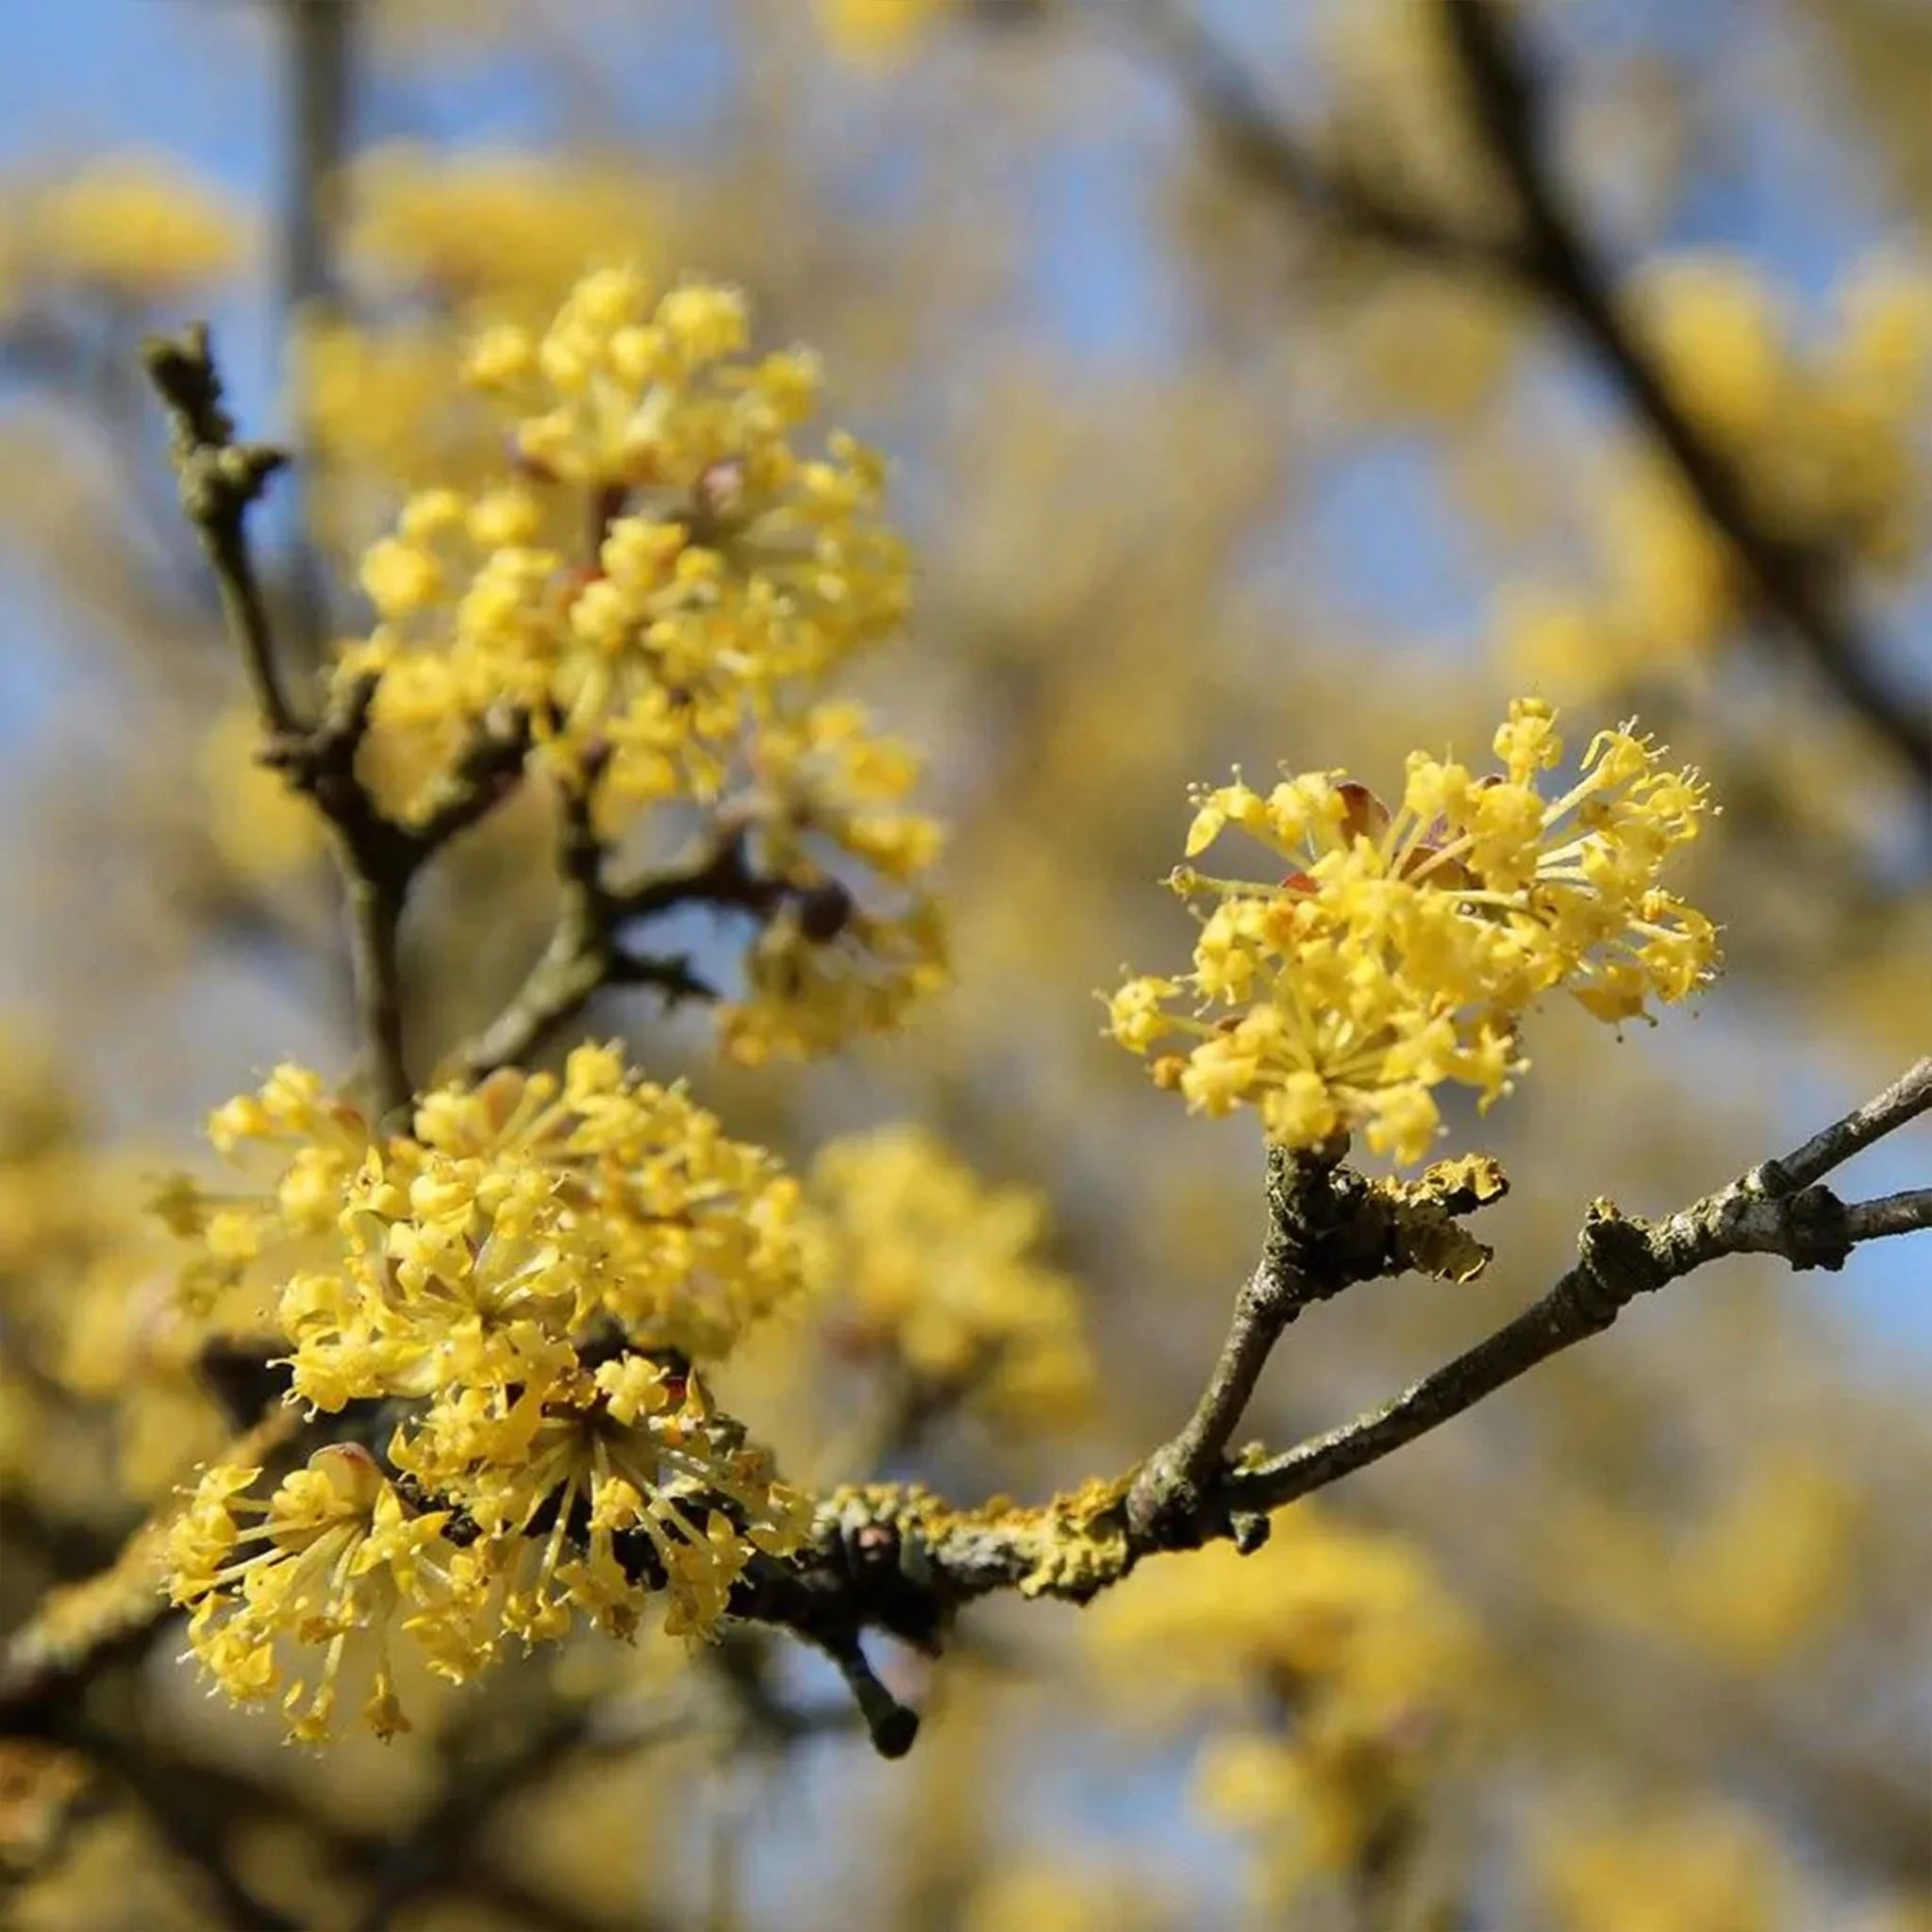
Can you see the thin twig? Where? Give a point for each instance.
(220, 481)
(1620, 1260)
(379, 858)
(1259, 144)
(586, 952)
(1902, 1213)
(1172, 1480)
(1907, 1097)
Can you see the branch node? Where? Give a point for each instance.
(1817, 1230)
(1616, 1263)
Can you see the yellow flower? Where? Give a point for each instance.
(1399, 950)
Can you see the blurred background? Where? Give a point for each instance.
(1261, 382)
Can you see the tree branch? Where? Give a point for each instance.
(1802, 584)
(894, 1558)
(586, 952)
(1261, 146)
(1551, 259)
(1905, 1099)
(379, 858)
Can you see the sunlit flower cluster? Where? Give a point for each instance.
(1338, 1665)
(1400, 949)
(516, 1292)
(923, 1266)
(664, 585)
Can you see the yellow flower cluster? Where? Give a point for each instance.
(665, 585)
(129, 227)
(1343, 1663)
(1400, 950)
(918, 1262)
(523, 1283)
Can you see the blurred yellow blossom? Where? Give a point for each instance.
(917, 1261)
(1338, 1665)
(132, 226)
(494, 226)
(1690, 1869)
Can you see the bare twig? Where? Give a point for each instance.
(1619, 1258)
(587, 951)
(1907, 1097)
(1171, 1482)
(221, 480)
(1259, 144)
(894, 1559)
(379, 858)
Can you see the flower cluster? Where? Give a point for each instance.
(919, 1263)
(665, 585)
(1342, 1664)
(725, 571)
(1400, 949)
(518, 1292)
(125, 228)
